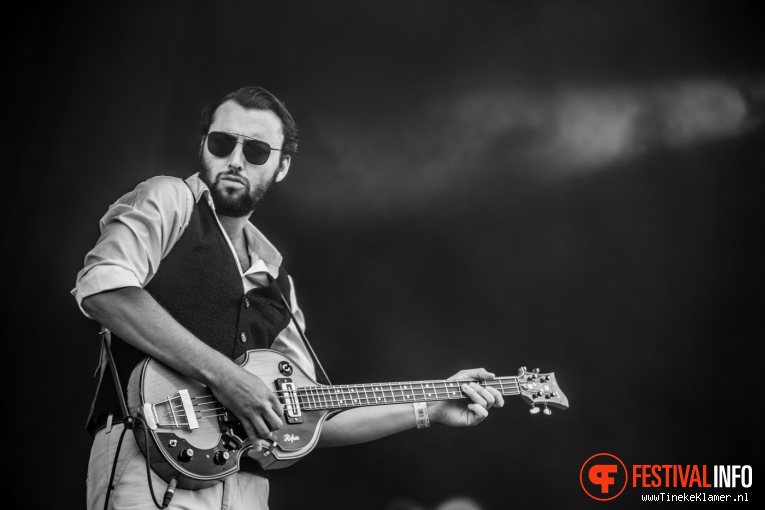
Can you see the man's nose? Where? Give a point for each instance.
(236, 158)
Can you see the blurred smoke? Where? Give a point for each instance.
(459, 503)
(581, 129)
(404, 159)
(592, 128)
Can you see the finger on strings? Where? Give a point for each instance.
(471, 390)
(487, 395)
(499, 400)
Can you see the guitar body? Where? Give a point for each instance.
(203, 455)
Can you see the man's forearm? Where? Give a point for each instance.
(133, 315)
(367, 424)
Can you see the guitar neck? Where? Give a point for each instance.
(317, 398)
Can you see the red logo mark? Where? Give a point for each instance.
(600, 475)
(606, 476)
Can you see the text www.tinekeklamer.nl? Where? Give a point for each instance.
(701, 497)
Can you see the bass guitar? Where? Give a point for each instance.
(193, 438)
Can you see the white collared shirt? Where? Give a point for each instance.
(142, 227)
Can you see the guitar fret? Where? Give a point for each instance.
(306, 399)
(351, 399)
(329, 401)
(360, 395)
(317, 397)
(427, 390)
(338, 394)
(314, 398)
(406, 392)
(345, 393)
(455, 391)
(397, 391)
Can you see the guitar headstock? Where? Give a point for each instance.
(540, 390)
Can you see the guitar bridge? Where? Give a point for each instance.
(288, 396)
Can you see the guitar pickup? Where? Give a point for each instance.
(288, 396)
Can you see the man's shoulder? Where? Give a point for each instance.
(159, 189)
(163, 184)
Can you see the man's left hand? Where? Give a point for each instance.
(458, 413)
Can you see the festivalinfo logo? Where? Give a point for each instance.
(604, 477)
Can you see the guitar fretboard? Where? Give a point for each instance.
(315, 398)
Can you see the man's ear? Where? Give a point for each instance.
(284, 168)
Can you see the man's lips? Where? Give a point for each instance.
(233, 178)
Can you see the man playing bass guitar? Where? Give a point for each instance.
(179, 274)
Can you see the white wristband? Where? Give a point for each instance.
(421, 415)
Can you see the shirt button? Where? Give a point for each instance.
(243, 337)
(246, 303)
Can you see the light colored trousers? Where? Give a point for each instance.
(238, 492)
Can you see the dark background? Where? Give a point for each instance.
(466, 194)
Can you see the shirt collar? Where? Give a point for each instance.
(256, 241)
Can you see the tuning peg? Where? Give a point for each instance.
(547, 410)
(521, 371)
(534, 410)
(536, 370)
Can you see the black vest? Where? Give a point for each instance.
(199, 284)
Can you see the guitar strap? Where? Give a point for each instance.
(106, 347)
(300, 331)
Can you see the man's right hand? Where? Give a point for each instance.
(251, 401)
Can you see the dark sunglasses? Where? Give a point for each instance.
(222, 144)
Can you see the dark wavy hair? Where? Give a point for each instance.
(256, 98)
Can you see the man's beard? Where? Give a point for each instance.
(235, 205)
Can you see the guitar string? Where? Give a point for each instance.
(307, 405)
(308, 396)
(333, 402)
(389, 387)
(340, 394)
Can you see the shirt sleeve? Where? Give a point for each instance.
(137, 231)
